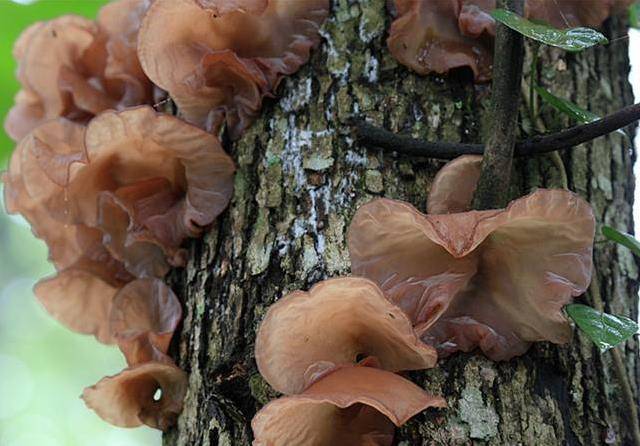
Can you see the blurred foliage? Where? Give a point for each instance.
(634, 15)
(43, 366)
(15, 16)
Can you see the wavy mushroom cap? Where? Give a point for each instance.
(337, 322)
(146, 180)
(509, 272)
(349, 406)
(128, 398)
(20, 197)
(454, 185)
(438, 36)
(75, 68)
(218, 59)
(121, 20)
(474, 18)
(221, 7)
(80, 297)
(144, 313)
(426, 38)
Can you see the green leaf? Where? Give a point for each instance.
(622, 238)
(567, 107)
(570, 109)
(634, 15)
(605, 330)
(574, 39)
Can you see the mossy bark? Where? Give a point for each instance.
(300, 179)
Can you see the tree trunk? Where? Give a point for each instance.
(300, 179)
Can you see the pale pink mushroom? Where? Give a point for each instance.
(143, 317)
(453, 187)
(112, 201)
(128, 399)
(495, 279)
(219, 59)
(121, 20)
(80, 297)
(29, 200)
(146, 180)
(349, 406)
(337, 322)
(75, 68)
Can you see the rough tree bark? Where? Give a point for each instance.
(300, 179)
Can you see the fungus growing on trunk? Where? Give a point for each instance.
(337, 322)
(75, 68)
(80, 297)
(352, 405)
(129, 399)
(219, 59)
(496, 279)
(574, 13)
(426, 37)
(146, 180)
(114, 201)
(438, 36)
(143, 317)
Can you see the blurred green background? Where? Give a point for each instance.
(44, 367)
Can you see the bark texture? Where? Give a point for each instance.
(300, 179)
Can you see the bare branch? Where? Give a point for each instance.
(372, 136)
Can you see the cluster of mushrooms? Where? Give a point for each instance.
(114, 188)
(428, 285)
(439, 36)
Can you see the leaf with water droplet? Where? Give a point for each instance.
(573, 39)
(622, 238)
(605, 330)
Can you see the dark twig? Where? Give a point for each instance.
(370, 135)
(491, 192)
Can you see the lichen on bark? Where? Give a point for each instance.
(300, 179)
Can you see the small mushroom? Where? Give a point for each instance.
(337, 322)
(144, 314)
(75, 68)
(425, 37)
(495, 279)
(80, 299)
(219, 59)
(352, 405)
(454, 185)
(475, 19)
(130, 398)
